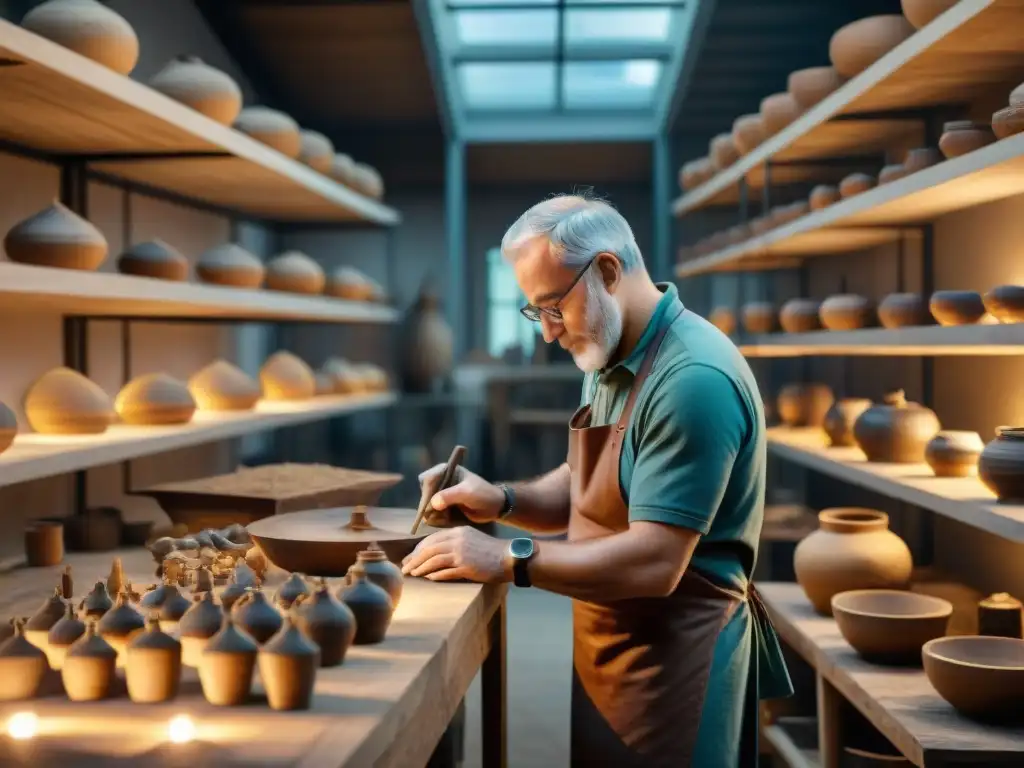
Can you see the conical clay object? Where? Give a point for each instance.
(226, 667)
(56, 237)
(64, 402)
(222, 386)
(115, 581)
(173, 608)
(371, 605)
(62, 635)
(153, 669)
(198, 85)
(294, 588)
(155, 399)
(119, 625)
(295, 272)
(316, 151)
(202, 621)
(88, 668)
(22, 666)
(329, 623)
(88, 28)
(286, 377)
(8, 427)
(97, 602)
(268, 126)
(230, 265)
(156, 259)
(42, 621)
(257, 616)
(288, 664)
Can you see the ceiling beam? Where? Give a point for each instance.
(537, 53)
(546, 127)
(680, 77)
(430, 16)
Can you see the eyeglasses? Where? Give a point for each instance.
(533, 312)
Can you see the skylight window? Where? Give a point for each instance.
(506, 27)
(610, 84)
(500, 85)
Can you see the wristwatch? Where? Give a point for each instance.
(510, 501)
(521, 550)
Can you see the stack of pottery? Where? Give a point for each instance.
(88, 28)
(205, 89)
(1010, 120)
(804, 405)
(221, 386)
(230, 265)
(64, 402)
(954, 453)
(286, 377)
(1001, 465)
(861, 43)
(268, 126)
(56, 237)
(896, 430)
(154, 258)
(155, 399)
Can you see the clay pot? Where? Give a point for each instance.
(88, 28)
(64, 402)
(1008, 121)
(155, 399)
(778, 111)
(56, 237)
(855, 184)
(1001, 464)
(722, 151)
(804, 405)
(853, 548)
(254, 614)
(22, 666)
(221, 386)
(172, 608)
(847, 312)
(758, 317)
(154, 258)
(841, 417)
(366, 180)
(748, 132)
(153, 667)
(61, 635)
(892, 173)
(119, 625)
(230, 265)
(427, 353)
(343, 169)
(921, 158)
(268, 126)
(294, 588)
(861, 43)
(896, 431)
(44, 543)
(723, 319)
(889, 626)
(956, 307)
(198, 85)
(1006, 303)
(96, 603)
(899, 310)
(954, 453)
(981, 677)
(41, 622)
(316, 150)
(328, 623)
(97, 529)
(226, 667)
(921, 12)
(695, 173)
(382, 572)
(286, 377)
(295, 272)
(1000, 615)
(201, 622)
(799, 316)
(370, 604)
(822, 196)
(962, 136)
(349, 283)
(288, 664)
(156, 597)
(811, 85)
(8, 427)
(88, 669)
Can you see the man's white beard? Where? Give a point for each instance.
(604, 321)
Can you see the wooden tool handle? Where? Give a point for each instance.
(458, 454)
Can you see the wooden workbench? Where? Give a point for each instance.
(386, 706)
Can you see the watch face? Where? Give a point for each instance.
(521, 548)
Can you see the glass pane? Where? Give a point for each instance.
(533, 27)
(596, 84)
(491, 85)
(598, 26)
(507, 3)
(673, 3)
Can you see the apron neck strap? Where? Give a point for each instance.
(644, 371)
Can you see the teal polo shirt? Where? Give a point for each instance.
(695, 451)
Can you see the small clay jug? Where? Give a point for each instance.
(232, 593)
(840, 419)
(120, 624)
(255, 614)
(173, 608)
(288, 664)
(382, 571)
(88, 668)
(225, 670)
(201, 622)
(22, 666)
(62, 635)
(328, 623)
(294, 588)
(896, 431)
(371, 605)
(115, 581)
(154, 665)
(42, 621)
(96, 603)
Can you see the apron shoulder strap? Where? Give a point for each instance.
(645, 369)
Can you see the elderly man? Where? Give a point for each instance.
(662, 496)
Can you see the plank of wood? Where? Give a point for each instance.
(33, 455)
(387, 705)
(900, 702)
(791, 753)
(962, 498)
(58, 102)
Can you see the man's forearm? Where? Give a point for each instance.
(542, 504)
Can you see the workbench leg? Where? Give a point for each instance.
(493, 694)
(830, 703)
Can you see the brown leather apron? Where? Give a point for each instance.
(641, 666)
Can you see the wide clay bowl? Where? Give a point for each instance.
(1006, 303)
(890, 625)
(962, 136)
(899, 310)
(847, 312)
(981, 677)
(957, 307)
(800, 316)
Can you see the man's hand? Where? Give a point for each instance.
(479, 500)
(459, 553)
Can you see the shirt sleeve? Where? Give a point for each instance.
(690, 433)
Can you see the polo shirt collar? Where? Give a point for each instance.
(664, 313)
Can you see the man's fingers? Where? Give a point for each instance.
(440, 562)
(448, 574)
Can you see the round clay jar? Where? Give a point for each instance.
(207, 90)
(748, 131)
(759, 317)
(954, 453)
(22, 666)
(847, 312)
(962, 137)
(221, 386)
(271, 127)
(722, 151)
(349, 283)
(804, 405)
(1008, 121)
(841, 417)
(957, 307)
(382, 572)
(921, 158)
(855, 184)
(778, 111)
(56, 237)
(1006, 303)
(899, 310)
(295, 272)
(800, 316)
(1001, 465)
(316, 151)
(88, 28)
(154, 258)
(155, 399)
(230, 265)
(64, 402)
(921, 12)
(853, 548)
(724, 319)
(861, 43)
(287, 377)
(891, 173)
(343, 169)
(811, 85)
(822, 196)
(896, 431)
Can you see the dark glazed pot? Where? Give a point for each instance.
(896, 431)
(328, 623)
(254, 614)
(1001, 466)
(957, 307)
(840, 419)
(225, 670)
(294, 588)
(42, 621)
(1006, 303)
(382, 571)
(899, 310)
(371, 605)
(804, 405)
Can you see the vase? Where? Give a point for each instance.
(230, 265)
(56, 237)
(288, 664)
(64, 402)
(155, 399)
(227, 664)
(896, 431)
(382, 572)
(427, 353)
(22, 666)
(1001, 465)
(329, 623)
(255, 615)
(207, 90)
(370, 604)
(293, 588)
(88, 28)
(201, 622)
(88, 668)
(153, 666)
(119, 625)
(41, 622)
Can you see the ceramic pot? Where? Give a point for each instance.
(153, 667)
(799, 316)
(822, 196)
(8, 427)
(22, 666)
(896, 431)
(899, 310)
(286, 377)
(841, 417)
(119, 625)
(804, 405)
(201, 622)
(288, 664)
(316, 150)
(758, 317)
(853, 548)
(1008, 121)
(232, 594)
(1006, 303)
(748, 132)
(981, 677)
(962, 136)
(370, 604)
(427, 353)
(855, 184)
(889, 626)
(921, 12)
(921, 158)
(88, 28)
(294, 588)
(154, 258)
(88, 668)
(230, 265)
(64, 402)
(892, 173)
(343, 169)
(1001, 464)
(847, 312)
(953, 453)
(367, 180)
(96, 603)
(328, 623)
(382, 572)
(295, 272)
(268, 126)
(778, 111)
(811, 85)
(1000, 615)
(56, 237)
(41, 622)
(62, 635)
(957, 307)
(198, 85)
(221, 386)
(723, 319)
(861, 43)
(172, 608)
(155, 399)
(723, 151)
(44, 543)
(349, 283)
(226, 667)
(255, 615)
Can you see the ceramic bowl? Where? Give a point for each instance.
(899, 310)
(957, 307)
(800, 316)
(1008, 121)
(982, 677)
(847, 312)
(822, 196)
(759, 317)
(890, 625)
(954, 453)
(811, 85)
(891, 173)
(963, 136)
(1006, 303)
(855, 183)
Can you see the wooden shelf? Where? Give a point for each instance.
(34, 456)
(963, 499)
(973, 45)
(60, 103)
(787, 738)
(899, 702)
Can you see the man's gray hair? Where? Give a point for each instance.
(578, 228)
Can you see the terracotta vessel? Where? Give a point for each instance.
(64, 402)
(1006, 303)
(981, 677)
(292, 589)
(1001, 464)
(295, 272)
(316, 150)
(370, 604)
(154, 258)
(778, 111)
(41, 622)
(382, 572)
(8, 427)
(889, 626)
(921, 158)
(861, 43)
(1000, 615)
(694, 173)
(804, 405)
(855, 184)
(172, 608)
(892, 173)
(723, 319)
(88, 669)
(286, 377)
(953, 453)
(201, 622)
(1008, 121)
(22, 666)
(367, 180)
(96, 603)
(962, 136)
(723, 151)
(288, 664)
(899, 310)
(811, 85)
(822, 196)
(327, 622)
(896, 431)
(349, 283)
(232, 593)
(198, 85)
(254, 614)
(156, 597)
(230, 265)
(119, 625)
(44, 543)
(89, 28)
(748, 131)
(343, 169)
(853, 548)
(221, 386)
(61, 636)
(155, 399)
(56, 237)
(427, 353)
(847, 312)
(226, 667)
(153, 667)
(841, 417)
(758, 317)
(271, 127)
(800, 316)
(921, 12)
(957, 307)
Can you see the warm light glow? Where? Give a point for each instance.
(23, 725)
(181, 729)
